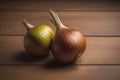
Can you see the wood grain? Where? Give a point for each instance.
(90, 23)
(99, 20)
(66, 5)
(100, 50)
(40, 72)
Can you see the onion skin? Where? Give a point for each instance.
(68, 43)
(38, 39)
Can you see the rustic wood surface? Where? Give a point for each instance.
(99, 20)
(71, 72)
(66, 5)
(90, 23)
(100, 50)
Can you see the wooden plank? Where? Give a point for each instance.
(100, 50)
(90, 23)
(40, 72)
(22, 5)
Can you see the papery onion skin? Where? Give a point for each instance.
(67, 45)
(38, 39)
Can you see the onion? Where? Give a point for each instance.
(37, 40)
(68, 43)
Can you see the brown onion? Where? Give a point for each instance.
(68, 43)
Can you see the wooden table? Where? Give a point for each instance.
(99, 20)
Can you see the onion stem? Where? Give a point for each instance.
(27, 24)
(55, 19)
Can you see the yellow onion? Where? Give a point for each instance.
(37, 40)
(68, 43)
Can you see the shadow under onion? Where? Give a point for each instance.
(54, 64)
(27, 58)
